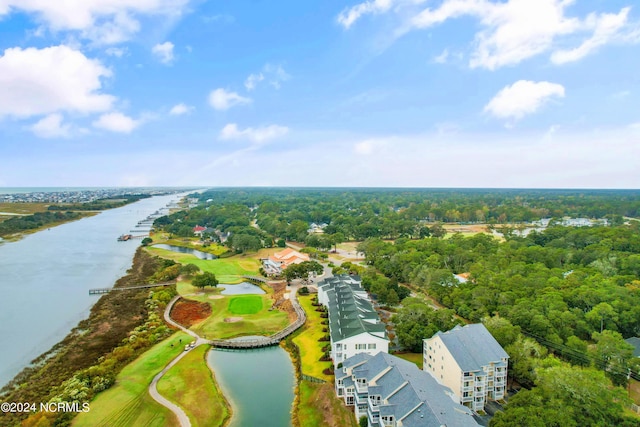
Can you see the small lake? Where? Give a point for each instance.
(183, 250)
(258, 383)
(243, 288)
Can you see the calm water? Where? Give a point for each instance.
(243, 288)
(45, 278)
(183, 250)
(258, 383)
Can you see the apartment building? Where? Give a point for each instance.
(354, 325)
(469, 361)
(392, 392)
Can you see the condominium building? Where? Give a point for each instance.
(469, 361)
(354, 325)
(392, 392)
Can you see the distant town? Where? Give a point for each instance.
(80, 196)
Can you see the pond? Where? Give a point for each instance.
(243, 288)
(183, 250)
(258, 383)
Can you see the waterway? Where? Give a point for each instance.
(183, 250)
(243, 288)
(258, 383)
(45, 278)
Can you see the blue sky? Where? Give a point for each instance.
(412, 93)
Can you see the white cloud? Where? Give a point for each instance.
(606, 27)
(274, 74)
(257, 135)
(51, 127)
(43, 81)
(118, 52)
(221, 99)
(442, 58)
(253, 80)
(511, 31)
(102, 21)
(116, 122)
(522, 98)
(350, 15)
(363, 147)
(180, 109)
(164, 52)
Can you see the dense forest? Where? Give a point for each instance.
(101, 204)
(36, 220)
(560, 299)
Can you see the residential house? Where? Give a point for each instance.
(281, 260)
(316, 228)
(635, 342)
(469, 361)
(198, 230)
(354, 325)
(391, 391)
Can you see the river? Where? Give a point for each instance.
(46, 276)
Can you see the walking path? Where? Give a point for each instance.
(237, 344)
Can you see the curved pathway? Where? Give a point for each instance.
(272, 340)
(183, 419)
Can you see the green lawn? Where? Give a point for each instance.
(263, 322)
(245, 304)
(411, 357)
(307, 340)
(191, 385)
(227, 270)
(128, 402)
(320, 407)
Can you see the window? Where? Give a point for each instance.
(372, 346)
(361, 346)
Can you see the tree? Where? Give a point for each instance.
(146, 241)
(437, 230)
(613, 354)
(363, 421)
(302, 270)
(205, 279)
(189, 269)
(566, 396)
(502, 330)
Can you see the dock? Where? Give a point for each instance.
(100, 291)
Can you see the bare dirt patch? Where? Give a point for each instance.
(233, 319)
(188, 313)
(466, 229)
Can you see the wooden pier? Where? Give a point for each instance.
(99, 291)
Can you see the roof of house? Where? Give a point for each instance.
(350, 310)
(409, 394)
(289, 256)
(472, 347)
(199, 228)
(635, 342)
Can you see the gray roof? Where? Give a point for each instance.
(410, 394)
(473, 346)
(350, 310)
(635, 342)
